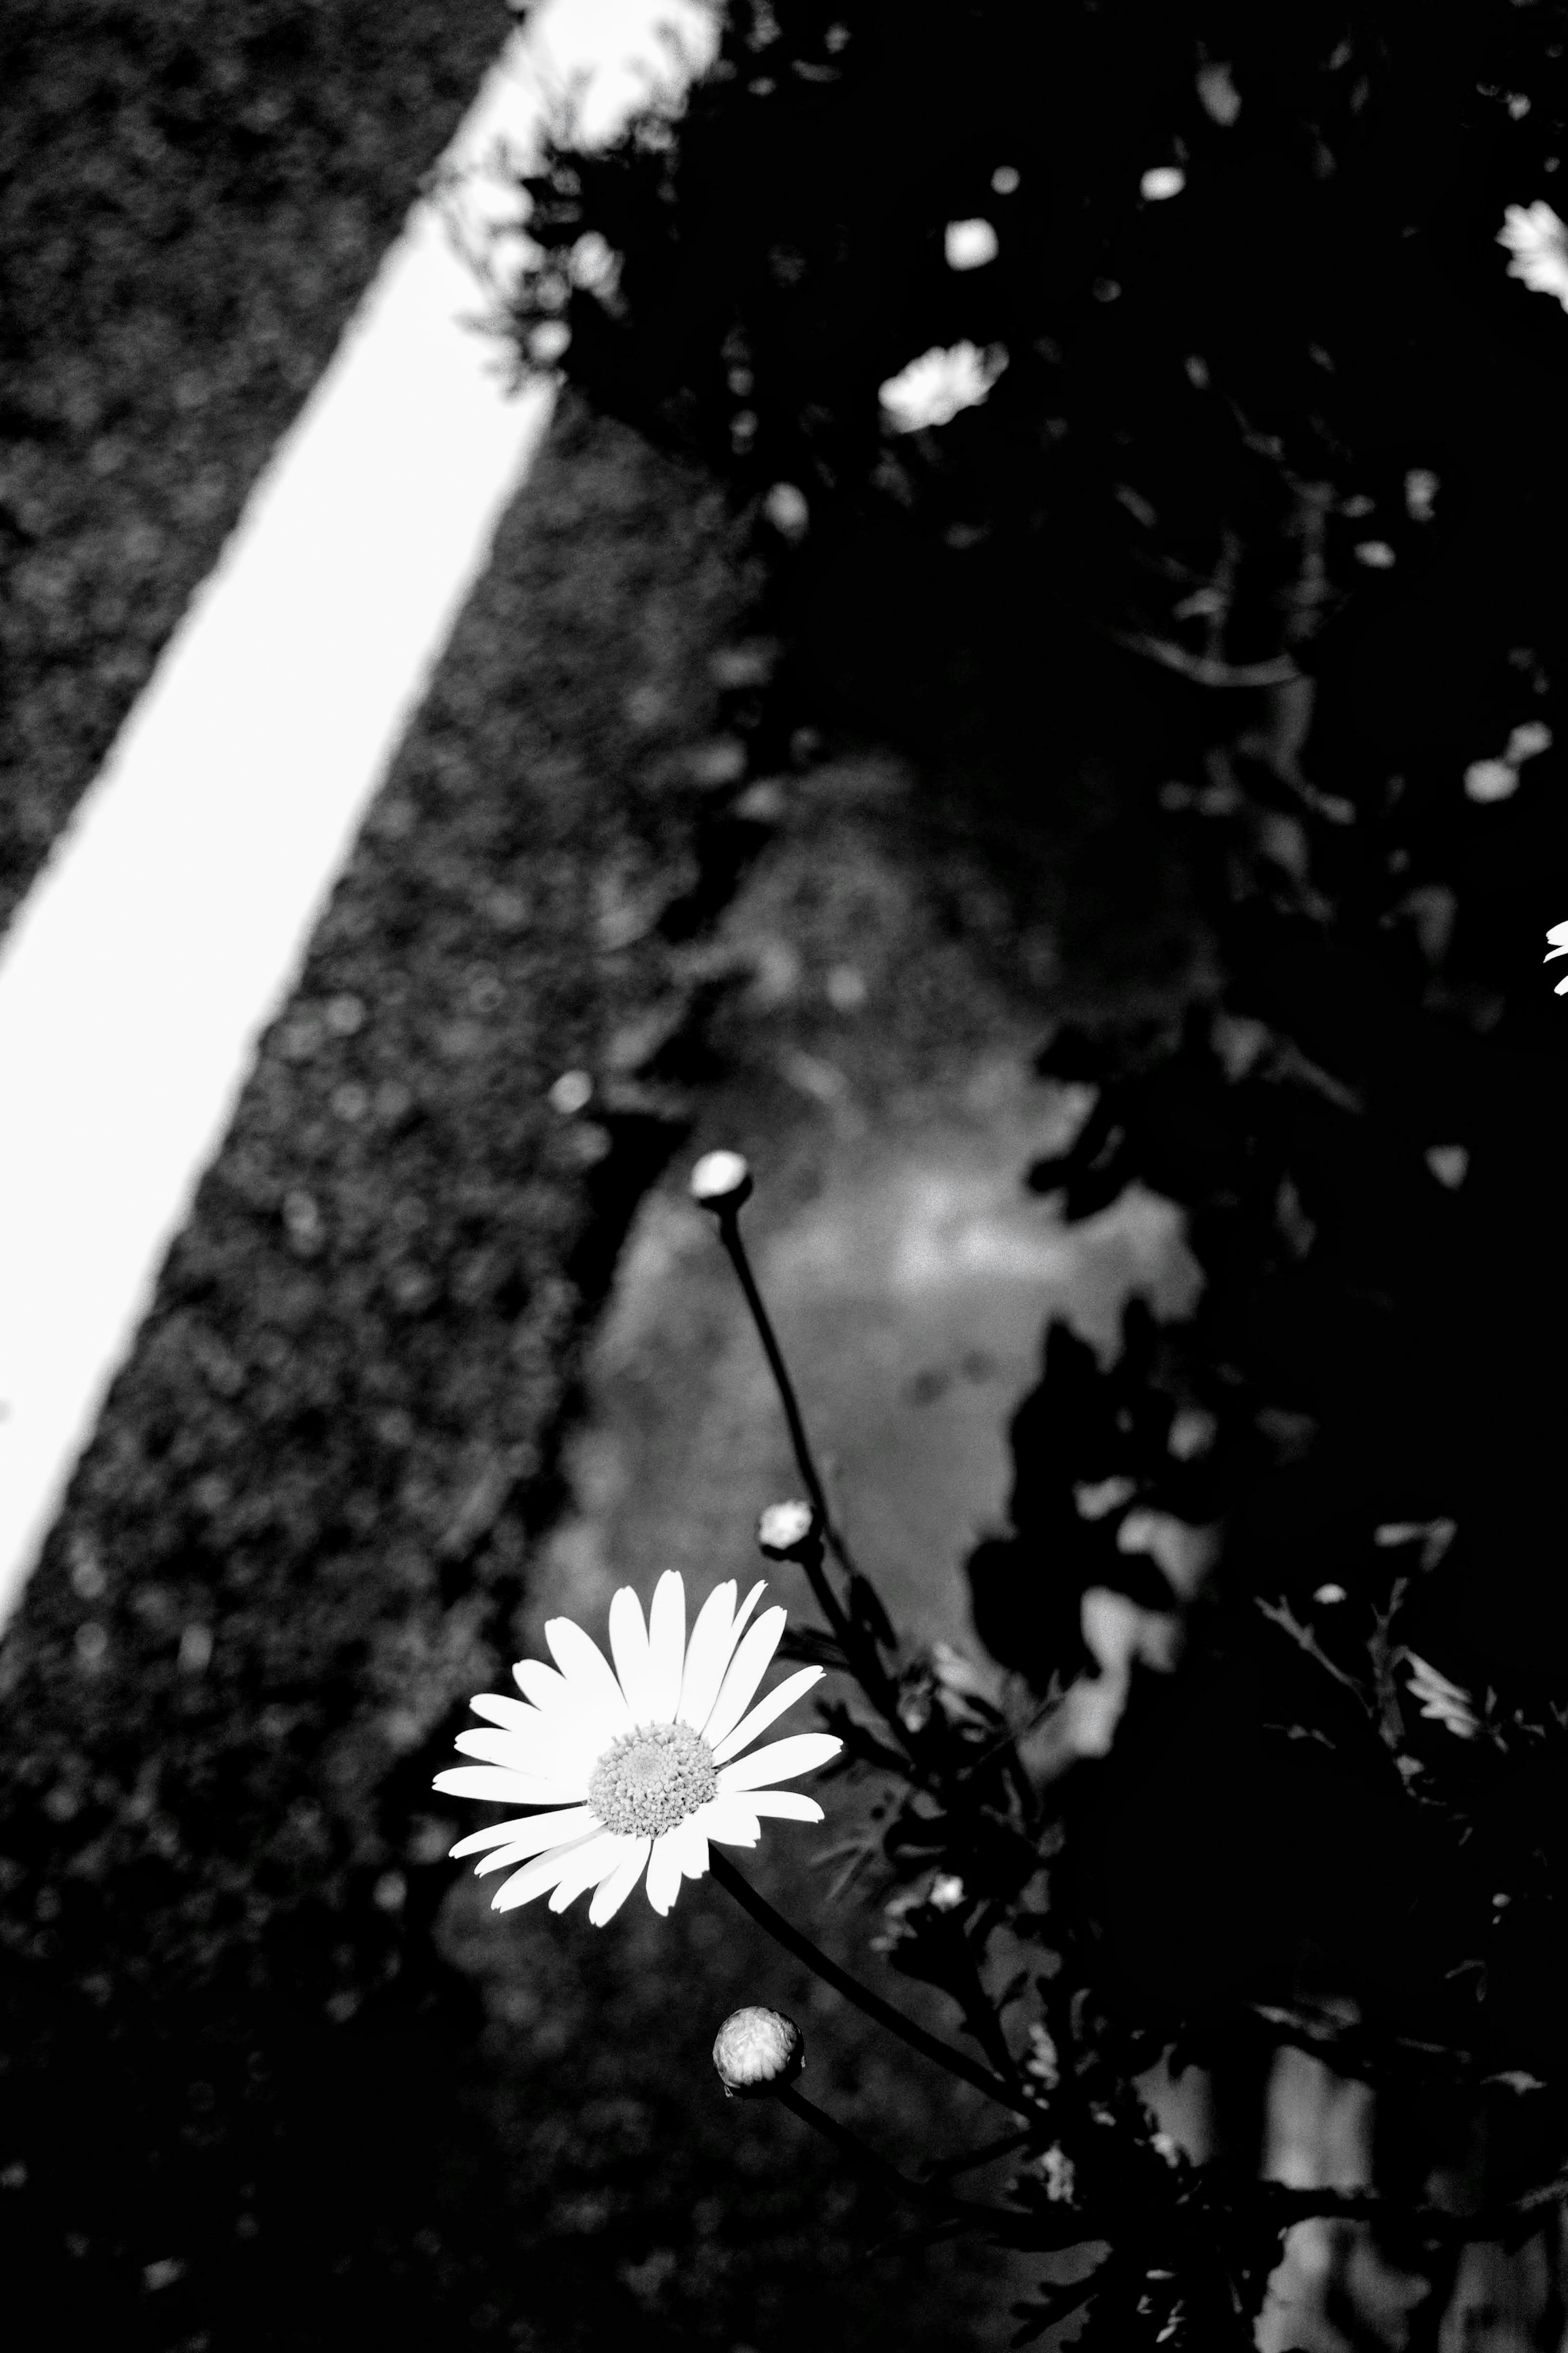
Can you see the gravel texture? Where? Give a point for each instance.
(193, 197)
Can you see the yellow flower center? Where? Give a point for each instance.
(652, 1778)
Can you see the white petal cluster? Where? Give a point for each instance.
(932, 389)
(969, 244)
(1538, 241)
(668, 1722)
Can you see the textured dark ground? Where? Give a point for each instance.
(193, 196)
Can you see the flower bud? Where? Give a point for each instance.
(788, 1531)
(756, 2050)
(721, 1181)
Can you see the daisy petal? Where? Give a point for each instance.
(629, 1647)
(589, 1865)
(745, 1611)
(518, 1749)
(571, 1823)
(564, 1764)
(501, 1781)
(707, 1656)
(746, 1670)
(667, 1648)
(730, 1820)
(786, 1805)
(565, 1822)
(765, 1710)
(589, 1673)
(549, 1691)
(663, 1874)
(692, 1845)
(537, 1878)
(781, 1760)
(514, 1715)
(613, 1891)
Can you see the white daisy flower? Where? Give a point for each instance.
(639, 1764)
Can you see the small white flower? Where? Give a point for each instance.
(1538, 241)
(549, 342)
(595, 265)
(969, 244)
(787, 510)
(946, 1892)
(1218, 92)
(638, 1764)
(1490, 780)
(1328, 1594)
(1449, 1163)
(1054, 2169)
(1527, 741)
(1165, 180)
(785, 1530)
(1421, 488)
(721, 1180)
(1442, 1701)
(932, 389)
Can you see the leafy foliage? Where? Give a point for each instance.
(1256, 531)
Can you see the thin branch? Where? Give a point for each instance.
(1204, 669)
(930, 2046)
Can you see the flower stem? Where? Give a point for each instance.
(859, 2153)
(944, 2169)
(937, 2206)
(930, 2046)
(730, 1235)
(861, 1653)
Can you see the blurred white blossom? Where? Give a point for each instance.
(1532, 736)
(1218, 93)
(787, 510)
(595, 266)
(970, 244)
(1490, 780)
(1165, 180)
(932, 389)
(1538, 241)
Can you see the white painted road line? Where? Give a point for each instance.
(170, 921)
